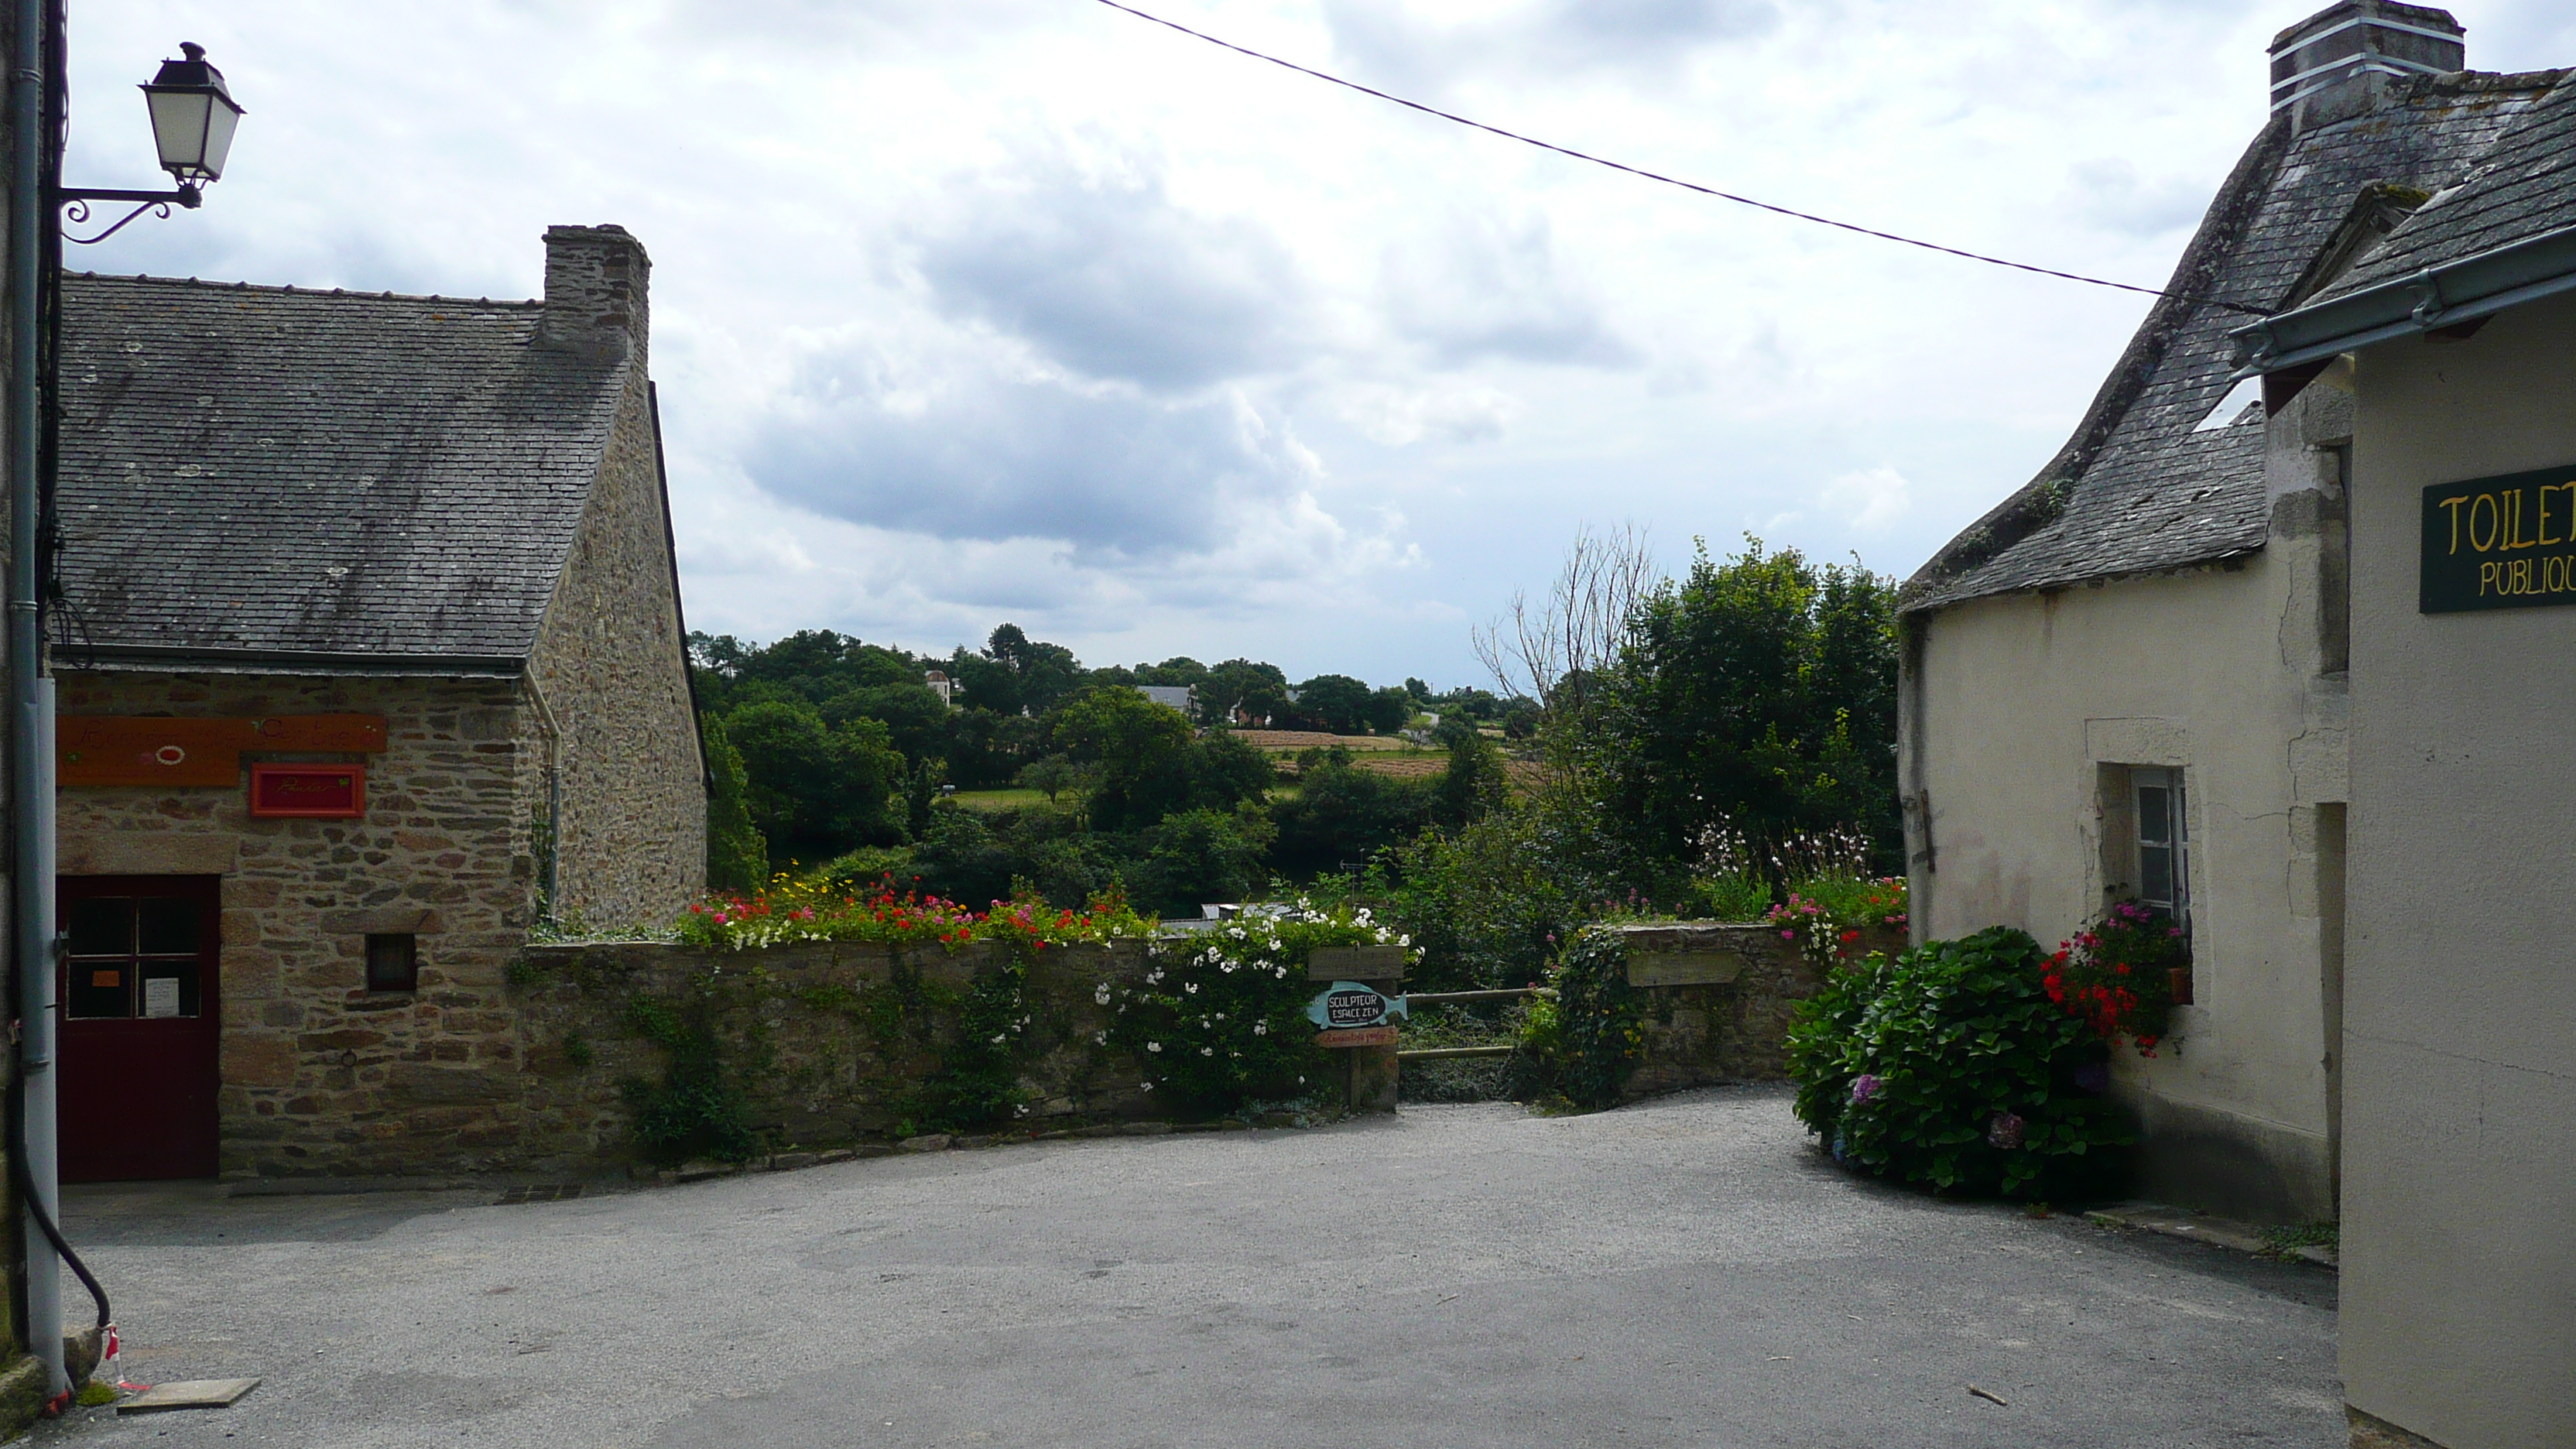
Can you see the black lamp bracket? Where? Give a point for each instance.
(75, 206)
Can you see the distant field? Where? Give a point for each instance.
(998, 799)
(1318, 740)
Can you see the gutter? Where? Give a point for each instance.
(190, 658)
(2434, 297)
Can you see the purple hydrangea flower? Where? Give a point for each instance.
(1865, 1087)
(2005, 1131)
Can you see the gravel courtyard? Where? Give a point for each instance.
(1681, 1272)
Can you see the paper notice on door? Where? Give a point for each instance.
(161, 996)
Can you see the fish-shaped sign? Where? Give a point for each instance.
(1348, 1004)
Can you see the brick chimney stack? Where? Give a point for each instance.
(2348, 59)
(595, 291)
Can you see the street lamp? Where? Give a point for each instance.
(193, 117)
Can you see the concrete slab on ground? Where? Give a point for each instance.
(1680, 1272)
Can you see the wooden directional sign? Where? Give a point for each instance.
(1365, 1036)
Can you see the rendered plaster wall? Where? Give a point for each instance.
(631, 838)
(2021, 711)
(2459, 1318)
(320, 1076)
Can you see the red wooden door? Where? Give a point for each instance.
(141, 1026)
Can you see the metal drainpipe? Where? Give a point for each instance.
(31, 701)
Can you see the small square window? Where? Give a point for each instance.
(393, 962)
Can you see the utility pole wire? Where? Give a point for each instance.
(1676, 181)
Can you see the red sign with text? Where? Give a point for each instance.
(313, 792)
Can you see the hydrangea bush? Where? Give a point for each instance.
(1950, 1065)
(1219, 1017)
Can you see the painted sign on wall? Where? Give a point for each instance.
(1349, 1004)
(322, 792)
(2500, 543)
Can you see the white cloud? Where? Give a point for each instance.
(1018, 308)
(1872, 500)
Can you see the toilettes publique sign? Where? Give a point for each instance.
(2500, 543)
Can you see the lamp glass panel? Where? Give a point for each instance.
(220, 120)
(179, 122)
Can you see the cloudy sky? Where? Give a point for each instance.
(973, 310)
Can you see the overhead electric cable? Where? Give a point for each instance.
(1676, 181)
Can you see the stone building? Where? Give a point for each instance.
(2131, 679)
(370, 654)
(2456, 342)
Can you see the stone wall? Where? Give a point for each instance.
(320, 1075)
(1720, 1001)
(814, 1035)
(631, 843)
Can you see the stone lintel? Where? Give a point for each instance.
(156, 852)
(386, 921)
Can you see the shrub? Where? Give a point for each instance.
(1220, 1016)
(1587, 1030)
(1950, 1065)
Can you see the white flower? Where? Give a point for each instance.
(1283, 973)
(1001, 1037)
(1148, 1086)
(1101, 1037)
(1261, 1028)
(1235, 931)
(1191, 987)
(1207, 1051)
(1404, 940)
(1102, 995)
(1153, 1046)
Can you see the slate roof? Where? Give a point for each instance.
(343, 479)
(2137, 489)
(2523, 186)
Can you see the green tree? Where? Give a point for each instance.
(1389, 710)
(814, 790)
(1198, 856)
(1335, 703)
(1051, 776)
(737, 858)
(1259, 690)
(1342, 815)
(1475, 784)
(1759, 691)
(918, 720)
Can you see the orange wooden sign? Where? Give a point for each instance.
(1357, 1037)
(130, 750)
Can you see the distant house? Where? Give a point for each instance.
(940, 684)
(2130, 680)
(1181, 697)
(370, 652)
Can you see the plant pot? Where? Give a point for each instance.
(2180, 976)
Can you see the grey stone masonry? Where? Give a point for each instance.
(595, 293)
(629, 781)
(320, 1075)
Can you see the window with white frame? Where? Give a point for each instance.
(2164, 843)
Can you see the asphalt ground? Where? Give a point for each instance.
(1681, 1272)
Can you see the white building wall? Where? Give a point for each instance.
(2016, 704)
(2459, 1239)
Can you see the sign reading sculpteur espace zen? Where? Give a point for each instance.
(2500, 543)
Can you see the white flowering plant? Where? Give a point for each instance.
(1219, 1017)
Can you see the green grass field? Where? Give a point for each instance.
(998, 799)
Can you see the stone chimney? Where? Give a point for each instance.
(595, 292)
(2348, 59)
